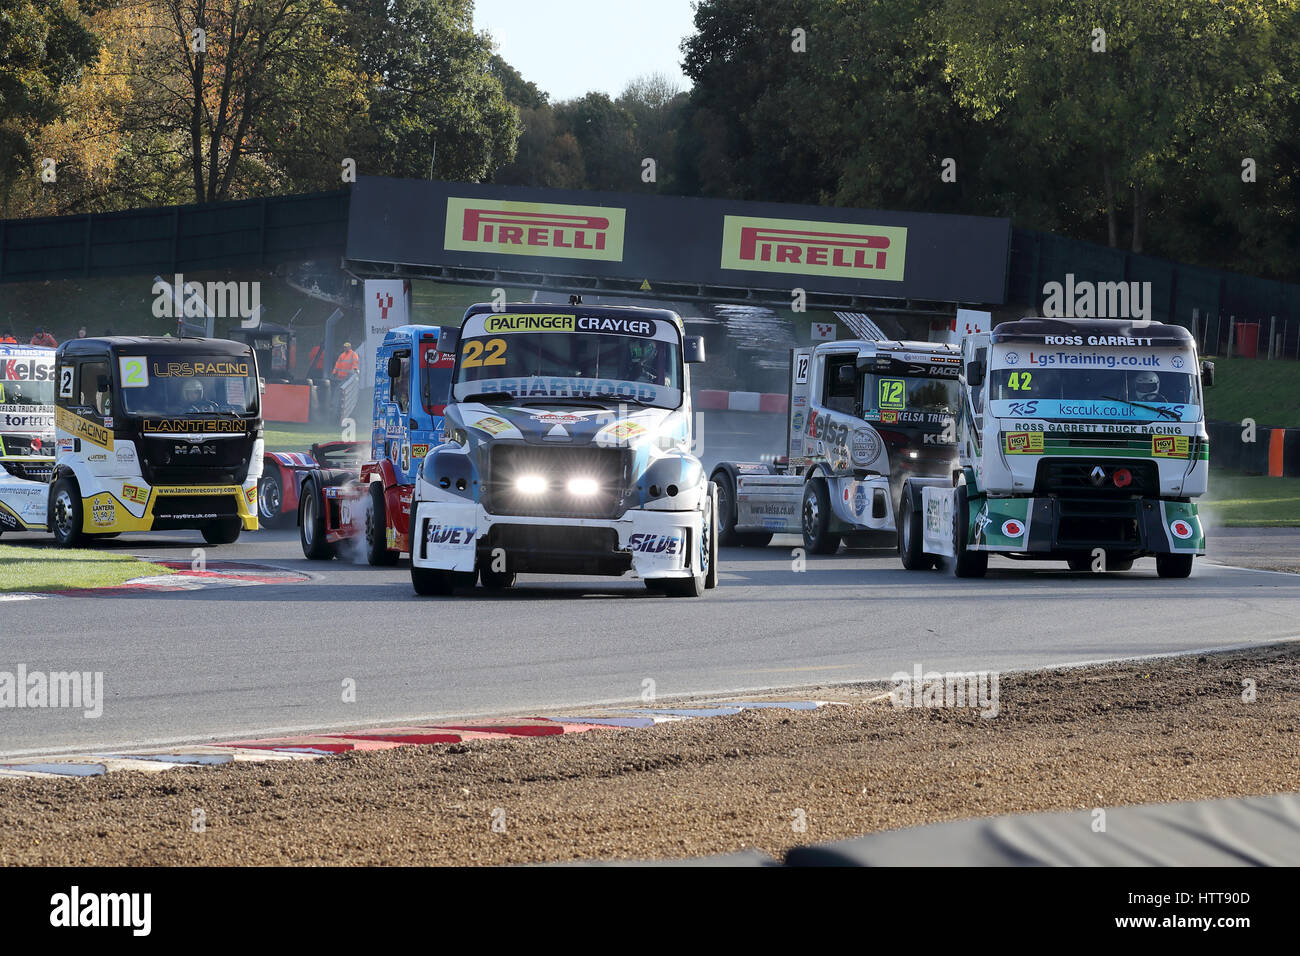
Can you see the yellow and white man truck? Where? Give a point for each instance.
(1080, 440)
(155, 433)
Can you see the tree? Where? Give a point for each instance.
(43, 48)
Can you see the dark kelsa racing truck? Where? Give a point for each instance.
(567, 451)
(338, 502)
(155, 433)
(862, 417)
(1081, 440)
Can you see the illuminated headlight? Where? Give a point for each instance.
(530, 484)
(582, 487)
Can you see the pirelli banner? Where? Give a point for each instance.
(665, 239)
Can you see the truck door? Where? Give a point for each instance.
(797, 418)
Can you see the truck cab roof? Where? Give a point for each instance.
(155, 344)
(597, 311)
(1034, 328)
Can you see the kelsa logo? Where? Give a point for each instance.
(447, 534)
(33, 371)
(655, 543)
(1169, 446)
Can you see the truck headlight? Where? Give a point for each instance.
(583, 487)
(530, 484)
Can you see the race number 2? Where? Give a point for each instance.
(133, 372)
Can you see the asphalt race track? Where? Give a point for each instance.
(259, 660)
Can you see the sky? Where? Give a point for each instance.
(571, 47)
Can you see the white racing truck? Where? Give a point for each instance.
(862, 417)
(566, 451)
(1080, 440)
(26, 435)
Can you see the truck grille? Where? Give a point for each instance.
(610, 468)
(194, 507)
(1098, 523)
(1075, 476)
(31, 470)
(168, 461)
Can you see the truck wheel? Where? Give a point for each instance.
(377, 550)
(728, 536)
(816, 511)
(910, 549)
(222, 532)
(435, 582)
(967, 564)
(270, 500)
(311, 525)
(65, 513)
(1174, 565)
(496, 580)
(710, 549)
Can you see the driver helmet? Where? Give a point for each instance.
(1147, 384)
(643, 356)
(192, 391)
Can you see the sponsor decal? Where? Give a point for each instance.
(32, 370)
(20, 416)
(1011, 528)
(153, 426)
(65, 446)
(448, 534)
(1181, 529)
(556, 418)
(655, 543)
(193, 451)
(125, 454)
(535, 229)
(641, 327)
(796, 423)
(889, 418)
(419, 451)
(492, 425)
(529, 323)
(1170, 446)
(199, 490)
(81, 428)
(866, 446)
(848, 250)
(624, 431)
(250, 495)
(100, 457)
(1023, 443)
(135, 493)
(860, 500)
(192, 369)
(102, 511)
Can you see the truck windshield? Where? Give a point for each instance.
(898, 393)
(1134, 395)
(190, 384)
(573, 362)
(25, 391)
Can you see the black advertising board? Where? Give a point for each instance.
(709, 242)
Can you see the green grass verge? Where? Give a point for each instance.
(1253, 501)
(1268, 392)
(29, 568)
(287, 436)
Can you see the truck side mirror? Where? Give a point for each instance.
(1207, 373)
(448, 339)
(394, 366)
(844, 375)
(975, 373)
(694, 347)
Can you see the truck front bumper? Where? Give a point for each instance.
(453, 536)
(1059, 525)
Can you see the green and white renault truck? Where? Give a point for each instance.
(1079, 440)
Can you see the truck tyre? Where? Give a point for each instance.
(225, 531)
(270, 500)
(435, 582)
(1174, 565)
(966, 564)
(65, 513)
(311, 525)
(710, 549)
(728, 536)
(496, 580)
(377, 550)
(910, 548)
(816, 512)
